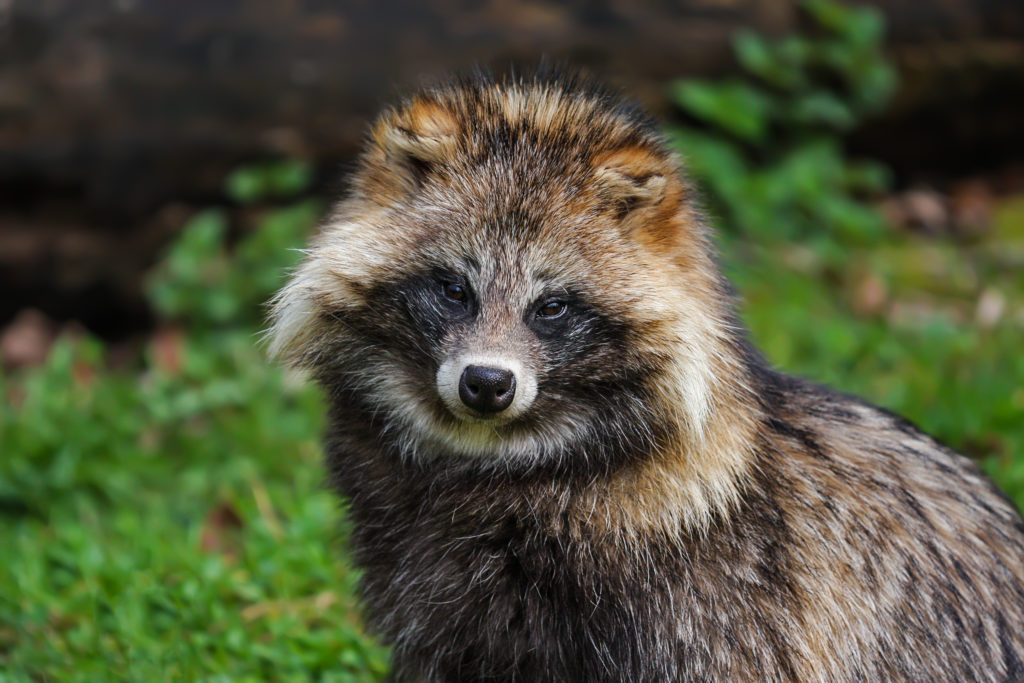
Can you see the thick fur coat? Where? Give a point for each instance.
(655, 503)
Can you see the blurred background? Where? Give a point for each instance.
(161, 509)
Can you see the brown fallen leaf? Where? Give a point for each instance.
(870, 295)
(27, 340)
(971, 205)
(312, 604)
(991, 307)
(167, 348)
(220, 532)
(921, 210)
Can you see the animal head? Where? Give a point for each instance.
(518, 275)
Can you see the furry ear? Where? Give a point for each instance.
(632, 178)
(415, 138)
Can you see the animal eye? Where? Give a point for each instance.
(552, 309)
(455, 292)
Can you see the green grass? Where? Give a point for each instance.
(167, 521)
(923, 353)
(172, 526)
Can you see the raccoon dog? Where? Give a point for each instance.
(562, 458)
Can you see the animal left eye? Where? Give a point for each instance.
(552, 309)
(455, 292)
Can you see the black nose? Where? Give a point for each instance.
(488, 390)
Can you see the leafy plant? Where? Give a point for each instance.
(169, 522)
(769, 150)
(204, 283)
(269, 180)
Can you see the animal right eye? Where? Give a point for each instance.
(455, 292)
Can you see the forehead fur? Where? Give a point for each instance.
(559, 133)
(481, 112)
(546, 177)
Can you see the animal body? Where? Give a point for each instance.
(564, 461)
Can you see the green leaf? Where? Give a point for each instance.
(873, 84)
(821, 108)
(851, 219)
(191, 267)
(245, 185)
(864, 27)
(776, 66)
(867, 176)
(736, 107)
(289, 178)
(829, 14)
(716, 162)
(273, 180)
(812, 169)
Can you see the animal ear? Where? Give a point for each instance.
(632, 178)
(416, 138)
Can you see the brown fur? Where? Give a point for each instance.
(666, 507)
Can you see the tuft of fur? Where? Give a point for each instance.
(660, 505)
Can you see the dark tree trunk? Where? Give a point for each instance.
(112, 109)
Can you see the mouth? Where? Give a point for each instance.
(472, 435)
(428, 427)
(465, 415)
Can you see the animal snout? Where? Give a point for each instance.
(486, 389)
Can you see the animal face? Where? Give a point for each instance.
(508, 287)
